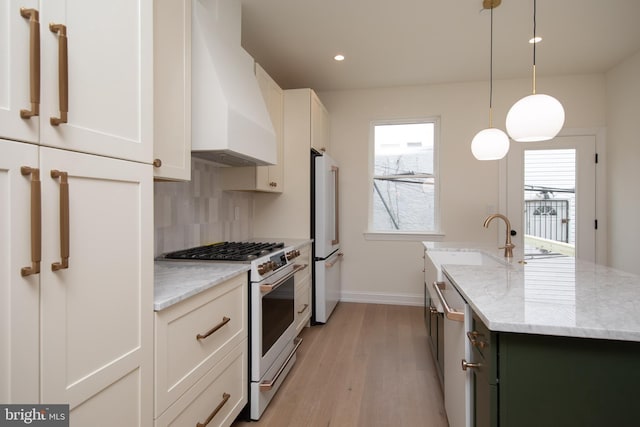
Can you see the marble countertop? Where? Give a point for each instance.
(175, 281)
(549, 295)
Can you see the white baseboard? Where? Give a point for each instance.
(382, 298)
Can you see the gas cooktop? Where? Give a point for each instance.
(226, 251)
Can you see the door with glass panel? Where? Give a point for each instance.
(551, 196)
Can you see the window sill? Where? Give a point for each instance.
(404, 236)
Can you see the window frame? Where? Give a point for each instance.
(436, 234)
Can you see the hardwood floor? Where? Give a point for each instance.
(370, 365)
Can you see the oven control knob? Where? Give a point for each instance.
(293, 254)
(264, 268)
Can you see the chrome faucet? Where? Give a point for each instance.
(508, 246)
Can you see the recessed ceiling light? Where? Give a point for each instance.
(535, 40)
(339, 57)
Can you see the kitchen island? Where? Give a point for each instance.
(555, 341)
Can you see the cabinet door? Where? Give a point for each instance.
(172, 89)
(15, 88)
(319, 125)
(110, 77)
(270, 178)
(19, 303)
(97, 314)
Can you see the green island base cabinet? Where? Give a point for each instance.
(540, 380)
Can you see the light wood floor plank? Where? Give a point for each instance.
(369, 366)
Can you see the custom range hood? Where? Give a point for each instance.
(230, 123)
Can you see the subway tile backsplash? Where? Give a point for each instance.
(198, 212)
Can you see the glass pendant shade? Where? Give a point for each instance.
(535, 117)
(490, 144)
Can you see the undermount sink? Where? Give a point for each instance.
(440, 258)
(435, 259)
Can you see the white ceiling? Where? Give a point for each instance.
(414, 42)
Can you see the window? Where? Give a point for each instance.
(404, 196)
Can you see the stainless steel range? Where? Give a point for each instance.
(272, 334)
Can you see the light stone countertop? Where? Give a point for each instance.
(175, 281)
(554, 295)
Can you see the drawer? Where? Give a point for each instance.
(304, 259)
(302, 304)
(303, 275)
(181, 358)
(222, 390)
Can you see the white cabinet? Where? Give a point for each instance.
(92, 317)
(303, 289)
(319, 125)
(263, 178)
(288, 215)
(202, 355)
(19, 296)
(15, 86)
(94, 73)
(79, 330)
(172, 89)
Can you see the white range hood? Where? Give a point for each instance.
(230, 122)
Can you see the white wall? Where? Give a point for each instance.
(391, 271)
(623, 159)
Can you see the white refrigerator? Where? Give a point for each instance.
(326, 233)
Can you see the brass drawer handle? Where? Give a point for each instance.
(64, 220)
(34, 62)
(225, 320)
(304, 308)
(157, 163)
(225, 398)
(63, 73)
(473, 337)
(36, 214)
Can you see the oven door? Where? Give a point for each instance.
(272, 319)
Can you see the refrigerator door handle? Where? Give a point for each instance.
(329, 264)
(336, 232)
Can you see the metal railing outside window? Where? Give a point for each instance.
(547, 218)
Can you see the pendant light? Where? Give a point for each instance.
(536, 117)
(490, 143)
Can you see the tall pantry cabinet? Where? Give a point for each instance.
(306, 126)
(76, 221)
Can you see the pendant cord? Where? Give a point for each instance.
(534, 47)
(491, 73)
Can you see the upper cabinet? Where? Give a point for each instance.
(263, 178)
(172, 89)
(305, 128)
(77, 74)
(319, 125)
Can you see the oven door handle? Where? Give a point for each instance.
(268, 385)
(268, 287)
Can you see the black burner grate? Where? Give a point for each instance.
(226, 251)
